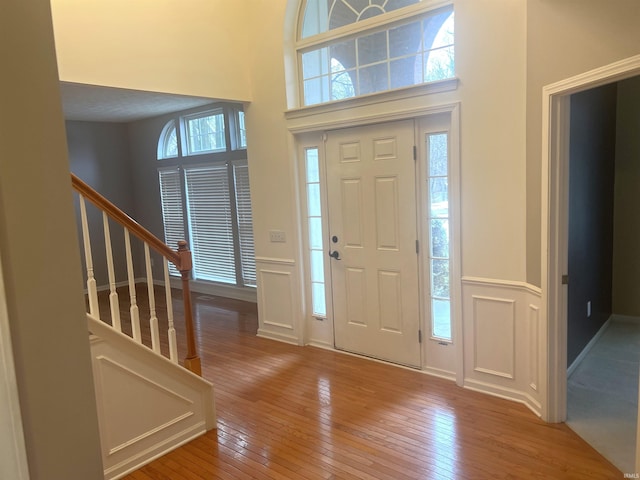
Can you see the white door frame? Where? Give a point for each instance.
(13, 456)
(555, 220)
(317, 120)
(433, 364)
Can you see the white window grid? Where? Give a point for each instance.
(205, 132)
(379, 59)
(315, 232)
(438, 216)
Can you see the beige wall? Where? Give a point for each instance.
(502, 68)
(493, 136)
(193, 47)
(269, 142)
(492, 109)
(506, 51)
(492, 150)
(40, 259)
(626, 227)
(141, 56)
(493, 129)
(566, 38)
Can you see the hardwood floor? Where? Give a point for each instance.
(288, 412)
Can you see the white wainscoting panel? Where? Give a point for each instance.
(494, 335)
(534, 347)
(502, 339)
(147, 405)
(279, 312)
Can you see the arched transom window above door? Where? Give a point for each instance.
(352, 48)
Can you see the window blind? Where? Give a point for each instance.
(208, 205)
(245, 222)
(172, 209)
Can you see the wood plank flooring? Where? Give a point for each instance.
(288, 412)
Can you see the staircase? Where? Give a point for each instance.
(148, 404)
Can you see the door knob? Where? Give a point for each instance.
(335, 254)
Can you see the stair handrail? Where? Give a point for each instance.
(181, 258)
(125, 220)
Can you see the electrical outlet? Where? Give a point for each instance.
(589, 308)
(277, 236)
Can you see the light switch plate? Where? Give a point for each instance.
(277, 236)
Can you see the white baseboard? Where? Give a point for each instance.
(590, 345)
(505, 393)
(246, 294)
(160, 450)
(320, 344)
(105, 287)
(437, 372)
(197, 287)
(277, 336)
(625, 318)
(434, 372)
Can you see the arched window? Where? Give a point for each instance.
(203, 176)
(168, 144)
(350, 48)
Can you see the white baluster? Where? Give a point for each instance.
(153, 320)
(113, 295)
(92, 290)
(133, 308)
(173, 344)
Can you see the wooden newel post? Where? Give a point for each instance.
(192, 361)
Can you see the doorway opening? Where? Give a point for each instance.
(562, 293)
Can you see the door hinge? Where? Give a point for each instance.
(415, 153)
(565, 279)
(417, 247)
(419, 336)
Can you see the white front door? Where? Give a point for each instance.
(371, 185)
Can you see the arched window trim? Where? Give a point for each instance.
(232, 130)
(165, 138)
(351, 33)
(379, 23)
(382, 20)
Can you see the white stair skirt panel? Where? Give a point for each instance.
(147, 405)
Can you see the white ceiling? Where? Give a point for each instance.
(104, 104)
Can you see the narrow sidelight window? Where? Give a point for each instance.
(438, 218)
(314, 223)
